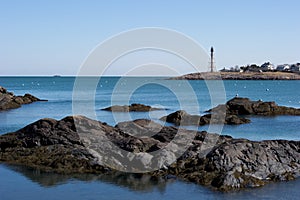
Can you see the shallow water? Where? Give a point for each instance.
(28, 184)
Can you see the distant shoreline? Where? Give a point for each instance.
(239, 76)
(192, 76)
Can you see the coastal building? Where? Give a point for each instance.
(283, 68)
(231, 69)
(225, 70)
(295, 67)
(267, 66)
(251, 68)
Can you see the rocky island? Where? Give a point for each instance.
(135, 107)
(216, 161)
(231, 113)
(245, 106)
(9, 101)
(181, 117)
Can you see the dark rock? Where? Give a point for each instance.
(131, 108)
(234, 120)
(9, 101)
(244, 106)
(243, 163)
(216, 161)
(181, 117)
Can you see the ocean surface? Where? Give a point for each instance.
(199, 96)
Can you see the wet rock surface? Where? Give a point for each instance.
(81, 145)
(245, 106)
(135, 107)
(9, 101)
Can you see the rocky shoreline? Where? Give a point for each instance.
(9, 101)
(239, 76)
(216, 161)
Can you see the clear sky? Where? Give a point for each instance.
(54, 37)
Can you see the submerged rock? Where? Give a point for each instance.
(135, 107)
(81, 145)
(9, 101)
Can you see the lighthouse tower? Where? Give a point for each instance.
(212, 66)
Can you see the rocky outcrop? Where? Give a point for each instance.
(239, 163)
(181, 117)
(135, 107)
(9, 101)
(220, 162)
(230, 113)
(245, 106)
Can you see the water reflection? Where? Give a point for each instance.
(134, 182)
(125, 186)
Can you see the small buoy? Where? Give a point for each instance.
(267, 89)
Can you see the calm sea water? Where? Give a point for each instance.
(18, 182)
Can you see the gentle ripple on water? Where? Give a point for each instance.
(17, 183)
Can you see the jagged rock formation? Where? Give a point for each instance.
(181, 117)
(230, 113)
(135, 107)
(9, 101)
(244, 106)
(78, 144)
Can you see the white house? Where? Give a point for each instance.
(284, 67)
(267, 66)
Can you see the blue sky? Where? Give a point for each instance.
(54, 37)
